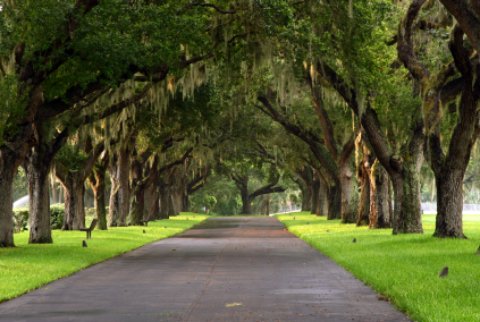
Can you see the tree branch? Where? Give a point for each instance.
(266, 190)
(309, 138)
(405, 49)
(325, 122)
(468, 17)
(176, 162)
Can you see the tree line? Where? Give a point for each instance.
(349, 99)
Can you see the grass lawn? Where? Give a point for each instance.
(404, 268)
(27, 267)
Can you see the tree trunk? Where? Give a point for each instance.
(74, 206)
(7, 175)
(266, 206)
(138, 206)
(69, 204)
(307, 196)
(186, 203)
(113, 199)
(152, 204)
(79, 217)
(407, 210)
(363, 213)
(347, 194)
(304, 181)
(177, 199)
(315, 197)
(379, 197)
(164, 201)
(123, 169)
(171, 206)
(449, 204)
(334, 201)
(54, 191)
(322, 199)
(39, 199)
(99, 199)
(246, 203)
(363, 174)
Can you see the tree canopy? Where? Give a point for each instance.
(239, 106)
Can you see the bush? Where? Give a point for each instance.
(57, 212)
(20, 219)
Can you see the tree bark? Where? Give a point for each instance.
(468, 16)
(185, 203)
(99, 198)
(74, 190)
(7, 174)
(113, 199)
(379, 197)
(69, 205)
(304, 181)
(178, 191)
(363, 174)
(54, 191)
(246, 202)
(407, 210)
(124, 188)
(449, 205)
(316, 196)
(307, 197)
(99, 204)
(334, 201)
(322, 198)
(348, 194)
(39, 200)
(171, 207)
(138, 206)
(97, 183)
(363, 213)
(79, 217)
(152, 202)
(164, 202)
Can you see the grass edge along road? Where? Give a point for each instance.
(27, 267)
(404, 268)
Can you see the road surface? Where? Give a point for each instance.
(227, 269)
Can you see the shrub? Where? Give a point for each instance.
(57, 212)
(20, 219)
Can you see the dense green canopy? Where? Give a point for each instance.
(238, 106)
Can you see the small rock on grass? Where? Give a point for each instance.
(443, 272)
(381, 297)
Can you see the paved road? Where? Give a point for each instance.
(227, 269)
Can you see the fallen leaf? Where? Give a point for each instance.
(233, 304)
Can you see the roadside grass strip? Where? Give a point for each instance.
(404, 268)
(27, 267)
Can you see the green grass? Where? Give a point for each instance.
(27, 267)
(404, 267)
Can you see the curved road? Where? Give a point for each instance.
(227, 269)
